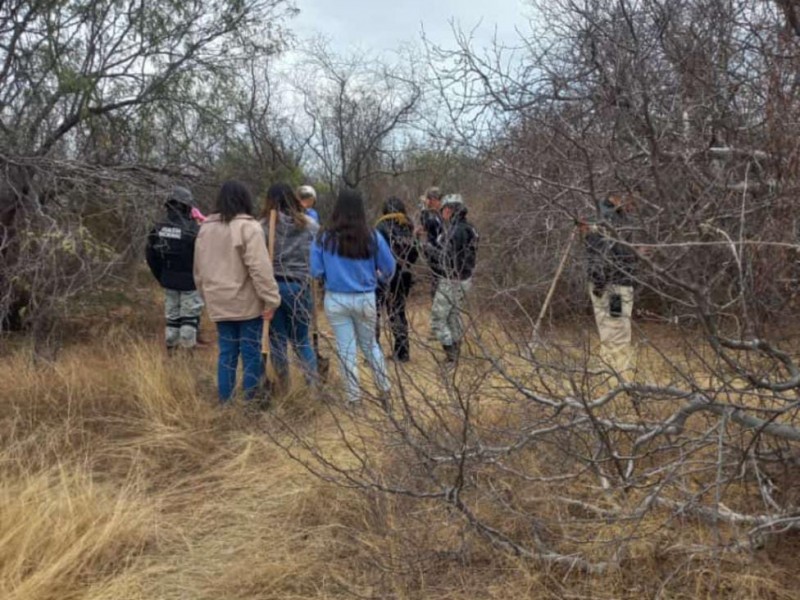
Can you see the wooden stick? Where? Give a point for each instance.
(552, 289)
(273, 219)
(314, 323)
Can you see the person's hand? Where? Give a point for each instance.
(419, 231)
(268, 314)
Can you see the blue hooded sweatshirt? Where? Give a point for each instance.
(313, 214)
(352, 275)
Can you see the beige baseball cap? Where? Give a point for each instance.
(306, 191)
(434, 193)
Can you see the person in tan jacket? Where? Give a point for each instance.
(233, 273)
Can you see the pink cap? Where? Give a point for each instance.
(197, 215)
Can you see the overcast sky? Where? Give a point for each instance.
(382, 25)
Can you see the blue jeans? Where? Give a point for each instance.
(352, 318)
(234, 338)
(291, 323)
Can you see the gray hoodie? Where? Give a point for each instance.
(292, 247)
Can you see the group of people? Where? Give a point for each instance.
(221, 263)
(224, 265)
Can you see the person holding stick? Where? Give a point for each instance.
(233, 272)
(294, 234)
(610, 264)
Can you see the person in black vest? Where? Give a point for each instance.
(429, 230)
(398, 232)
(611, 263)
(170, 256)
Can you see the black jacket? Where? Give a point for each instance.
(609, 262)
(396, 229)
(399, 234)
(170, 250)
(459, 247)
(433, 224)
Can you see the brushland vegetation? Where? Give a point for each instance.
(529, 471)
(121, 478)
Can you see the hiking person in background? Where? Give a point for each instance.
(396, 229)
(308, 198)
(294, 234)
(170, 256)
(352, 259)
(429, 230)
(457, 253)
(610, 269)
(234, 274)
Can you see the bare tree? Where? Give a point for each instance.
(354, 108)
(690, 109)
(86, 87)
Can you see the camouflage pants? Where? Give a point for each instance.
(182, 310)
(448, 305)
(615, 332)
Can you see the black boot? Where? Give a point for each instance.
(451, 354)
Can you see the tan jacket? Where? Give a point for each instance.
(233, 270)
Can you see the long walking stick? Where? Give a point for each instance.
(536, 340)
(269, 384)
(323, 363)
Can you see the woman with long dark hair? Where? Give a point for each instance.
(294, 234)
(352, 258)
(233, 272)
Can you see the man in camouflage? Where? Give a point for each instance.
(611, 263)
(456, 253)
(170, 256)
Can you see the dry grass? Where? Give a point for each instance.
(121, 478)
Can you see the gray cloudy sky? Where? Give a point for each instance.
(386, 24)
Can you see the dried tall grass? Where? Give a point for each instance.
(121, 478)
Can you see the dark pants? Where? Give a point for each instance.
(392, 300)
(291, 323)
(235, 338)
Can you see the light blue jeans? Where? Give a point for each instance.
(352, 318)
